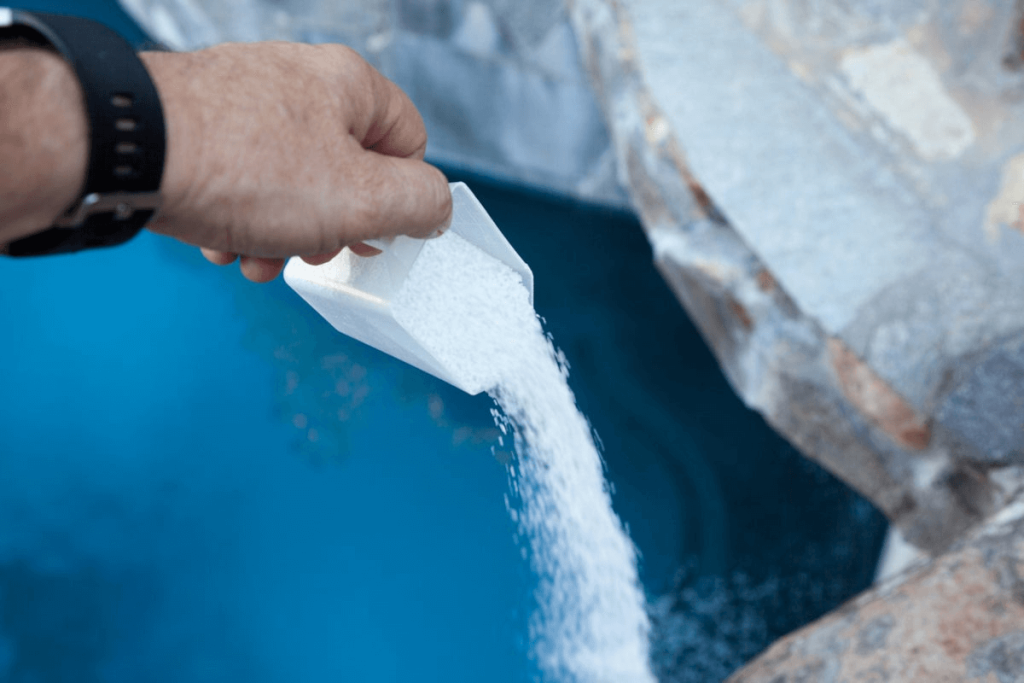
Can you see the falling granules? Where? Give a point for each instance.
(473, 313)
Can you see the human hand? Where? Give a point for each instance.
(284, 149)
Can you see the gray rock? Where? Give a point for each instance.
(829, 187)
(955, 618)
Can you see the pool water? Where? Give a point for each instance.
(200, 480)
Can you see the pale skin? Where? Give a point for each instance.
(273, 150)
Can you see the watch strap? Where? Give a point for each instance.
(127, 134)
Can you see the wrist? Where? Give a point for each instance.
(170, 74)
(44, 145)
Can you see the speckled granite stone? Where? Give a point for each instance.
(957, 618)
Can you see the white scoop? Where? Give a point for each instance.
(354, 293)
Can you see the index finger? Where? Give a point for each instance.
(396, 127)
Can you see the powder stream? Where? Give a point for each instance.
(473, 313)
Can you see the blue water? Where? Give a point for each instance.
(200, 480)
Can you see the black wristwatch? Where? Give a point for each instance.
(127, 133)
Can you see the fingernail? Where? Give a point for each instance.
(443, 229)
(364, 250)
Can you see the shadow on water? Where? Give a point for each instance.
(55, 627)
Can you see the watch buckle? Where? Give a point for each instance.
(122, 204)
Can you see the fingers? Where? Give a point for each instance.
(261, 269)
(364, 250)
(396, 127)
(218, 258)
(266, 269)
(320, 259)
(400, 197)
(255, 269)
(402, 194)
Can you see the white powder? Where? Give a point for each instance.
(474, 314)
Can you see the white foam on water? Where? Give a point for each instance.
(474, 314)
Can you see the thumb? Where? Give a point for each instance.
(404, 196)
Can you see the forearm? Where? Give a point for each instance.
(43, 140)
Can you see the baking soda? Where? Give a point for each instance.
(473, 313)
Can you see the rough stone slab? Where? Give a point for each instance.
(851, 253)
(957, 618)
(499, 82)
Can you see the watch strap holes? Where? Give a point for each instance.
(123, 211)
(126, 125)
(126, 148)
(122, 100)
(125, 171)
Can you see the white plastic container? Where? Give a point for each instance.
(354, 293)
